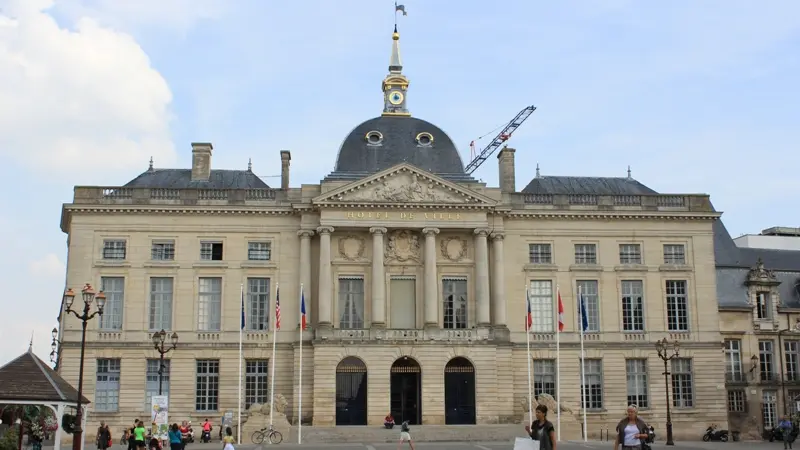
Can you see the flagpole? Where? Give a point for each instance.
(241, 330)
(558, 367)
(300, 378)
(583, 365)
(272, 363)
(528, 354)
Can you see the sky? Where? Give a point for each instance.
(696, 97)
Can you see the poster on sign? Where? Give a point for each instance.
(160, 415)
(526, 444)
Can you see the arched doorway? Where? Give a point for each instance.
(351, 392)
(459, 392)
(406, 391)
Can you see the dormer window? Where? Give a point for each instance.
(762, 305)
(424, 139)
(374, 138)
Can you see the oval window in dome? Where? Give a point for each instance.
(425, 139)
(374, 137)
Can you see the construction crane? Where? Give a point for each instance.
(501, 137)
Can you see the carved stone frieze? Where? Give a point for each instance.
(352, 247)
(403, 246)
(454, 248)
(405, 187)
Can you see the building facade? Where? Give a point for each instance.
(414, 276)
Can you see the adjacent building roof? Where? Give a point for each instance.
(28, 378)
(182, 179)
(586, 186)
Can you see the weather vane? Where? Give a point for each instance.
(399, 8)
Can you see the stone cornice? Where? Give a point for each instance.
(203, 210)
(605, 215)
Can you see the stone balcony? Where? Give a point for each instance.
(418, 336)
(654, 202)
(105, 195)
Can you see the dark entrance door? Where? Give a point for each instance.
(351, 392)
(459, 392)
(406, 391)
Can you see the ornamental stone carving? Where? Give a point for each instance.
(406, 188)
(352, 247)
(761, 275)
(454, 248)
(403, 246)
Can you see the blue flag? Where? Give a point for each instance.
(243, 315)
(584, 319)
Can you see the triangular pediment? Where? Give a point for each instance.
(405, 184)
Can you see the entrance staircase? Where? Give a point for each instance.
(420, 433)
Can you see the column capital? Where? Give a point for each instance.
(377, 230)
(324, 230)
(428, 231)
(482, 232)
(305, 233)
(498, 236)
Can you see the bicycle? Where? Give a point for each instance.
(274, 436)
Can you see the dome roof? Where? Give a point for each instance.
(386, 141)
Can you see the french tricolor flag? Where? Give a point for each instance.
(560, 312)
(529, 315)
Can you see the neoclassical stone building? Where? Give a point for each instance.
(415, 277)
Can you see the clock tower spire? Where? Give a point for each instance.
(395, 84)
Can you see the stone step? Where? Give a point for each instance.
(423, 433)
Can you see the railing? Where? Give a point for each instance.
(762, 377)
(735, 377)
(101, 195)
(406, 335)
(654, 202)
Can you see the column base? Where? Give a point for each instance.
(501, 333)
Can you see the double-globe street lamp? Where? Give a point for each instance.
(88, 296)
(54, 355)
(667, 352)
(159, 340)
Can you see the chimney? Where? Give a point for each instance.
(286, 156)
(201, 161)
(505, 160)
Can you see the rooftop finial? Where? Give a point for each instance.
(249, 164)
(395, 84)
(151, 164)
(629, 172)
(537, 171)
(30, 345)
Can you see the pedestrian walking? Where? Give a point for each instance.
(405, 435)
(632, 431)
(542, 430)
(786, 427)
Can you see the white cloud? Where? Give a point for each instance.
(82, 98)
(49, 266)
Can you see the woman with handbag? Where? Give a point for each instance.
(632, 432)
(542, 430)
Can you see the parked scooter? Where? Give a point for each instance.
(713, 433)
(776, 434)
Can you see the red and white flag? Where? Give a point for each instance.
(560, 312)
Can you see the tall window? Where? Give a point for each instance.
(541, 296)
(259, 251)
(591, 298)
(162, 251)
(211, 251)
(630, 254)
(114, 288)
(207, 385)
(585, 254)
(255, 383)
(114, 249)
(793, 394)
(106, 391)
(151, 381)
(454, 296)
(160, 304)
(636, 374)
(677, 306)
(674, 254)
(351, 303)
(544, 377)
(540, 254)
(736, 400)
(632, 305)
(592, 384)
(209, 305)
(769, 408)
(733, 360)
(766, 360)
(762, 305)
(682, 383)
(257, 304)
(791, 351)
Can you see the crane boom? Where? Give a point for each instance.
(501, 137)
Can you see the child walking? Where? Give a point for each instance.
(405, 435)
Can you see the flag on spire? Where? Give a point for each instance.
(400, 8)
(560, 312)
(278, 309)
(302, 310)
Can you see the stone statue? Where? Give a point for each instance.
(258, 416)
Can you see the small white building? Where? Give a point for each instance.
(775, 238)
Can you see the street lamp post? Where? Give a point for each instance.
(88, 295)
(54, 355)
(667, 352)
(159, 338)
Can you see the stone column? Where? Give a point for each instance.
(482, 277)
(305, 267)
(498, 282)
(324, 302)
(378, 279)
(431, 282)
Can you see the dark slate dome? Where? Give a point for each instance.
(386, 141)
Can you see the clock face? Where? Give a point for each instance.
(395, 98)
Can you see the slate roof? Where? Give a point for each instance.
(358, 159)
(587, 186)
(733, 263)
(28, 378)
(182, 179)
